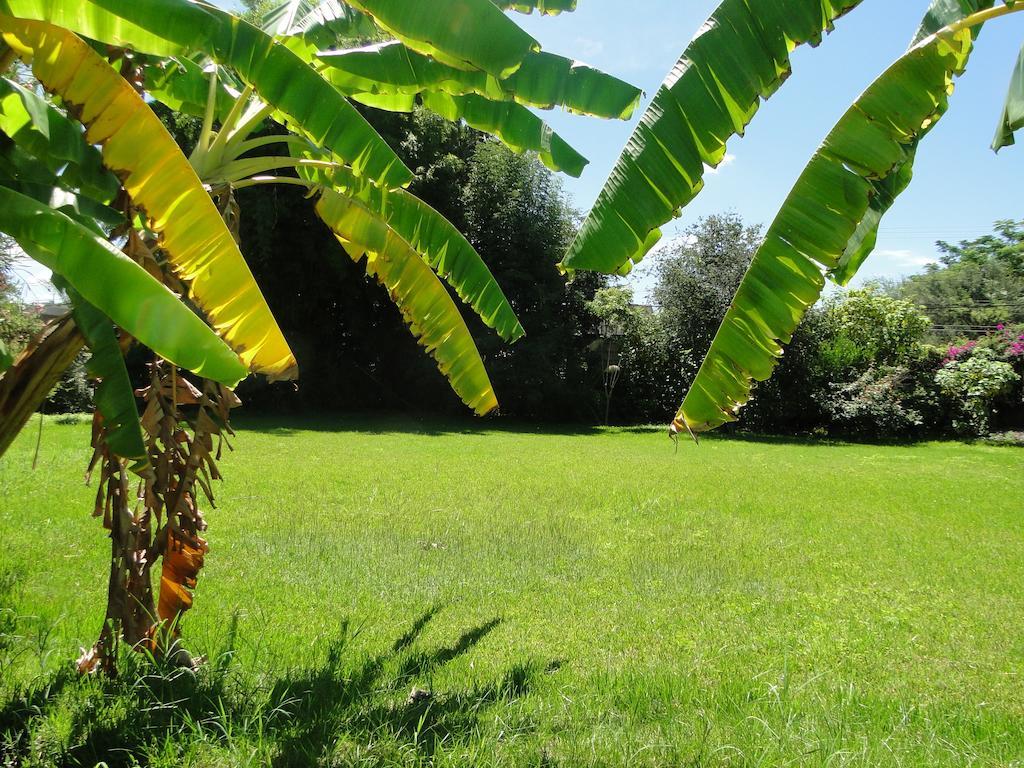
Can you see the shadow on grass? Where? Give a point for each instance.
(352, 703)
(398, 424)
(384, 424)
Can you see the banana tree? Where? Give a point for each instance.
(144, 238)
(828, 224)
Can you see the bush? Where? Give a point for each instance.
(878, 402)
(974, 383)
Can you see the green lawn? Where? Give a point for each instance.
(568, 599)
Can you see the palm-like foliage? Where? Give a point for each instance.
(829, 223)
(144, 239)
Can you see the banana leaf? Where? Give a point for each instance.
(419, 295)
(940, 13)
(30, 176)
(280, 77)
(1012, 119)
(440, 244)
(544, 80)
(160, 182)
(512, 124)
(865, 158)
(118, 287)
(114, 396)
(56, 141)
(309, 26)
(549, 7)
(469, 34)
(740, 56)
(181, 84)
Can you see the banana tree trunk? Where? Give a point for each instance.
(34, 375)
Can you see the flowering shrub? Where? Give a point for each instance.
(955, 352)
(1008, 341)
(974, 383)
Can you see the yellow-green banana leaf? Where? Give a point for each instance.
(158, 178)
(419, 295)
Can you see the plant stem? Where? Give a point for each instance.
(259, 180)
(976, 19)
(206, 135)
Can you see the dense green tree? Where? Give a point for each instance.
(697, 277)
(350, 340)
(978, 283)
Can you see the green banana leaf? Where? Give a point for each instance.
(280, 77)
(470, 34)
(30, 176)
(440, 244)
(740, 56)
(940, 13)
(308, 26)
(548, 7)
(160, 182)
(867, 156)
(423, 301)
(181, 84)
(544, 80)
(105, 23)
(1013, 112)
(119, 288)
(114, 396)
(512, 124)
(58, 142)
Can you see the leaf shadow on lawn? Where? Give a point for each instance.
(352, 702)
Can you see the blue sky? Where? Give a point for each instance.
(960, 185)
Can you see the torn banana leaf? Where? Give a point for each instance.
(544, 80)
(740, 56)
(512, 124)
(548, 7)
(423, 301)
(119, 288)
(864, 158)
(469, 34)
(440, 244)
(161, 182)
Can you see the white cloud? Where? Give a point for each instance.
(892, 263)
(727, 160)
(901, 258)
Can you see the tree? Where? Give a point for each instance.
(829, 223)
(698, 276)
(68, 195)
(978, 285)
